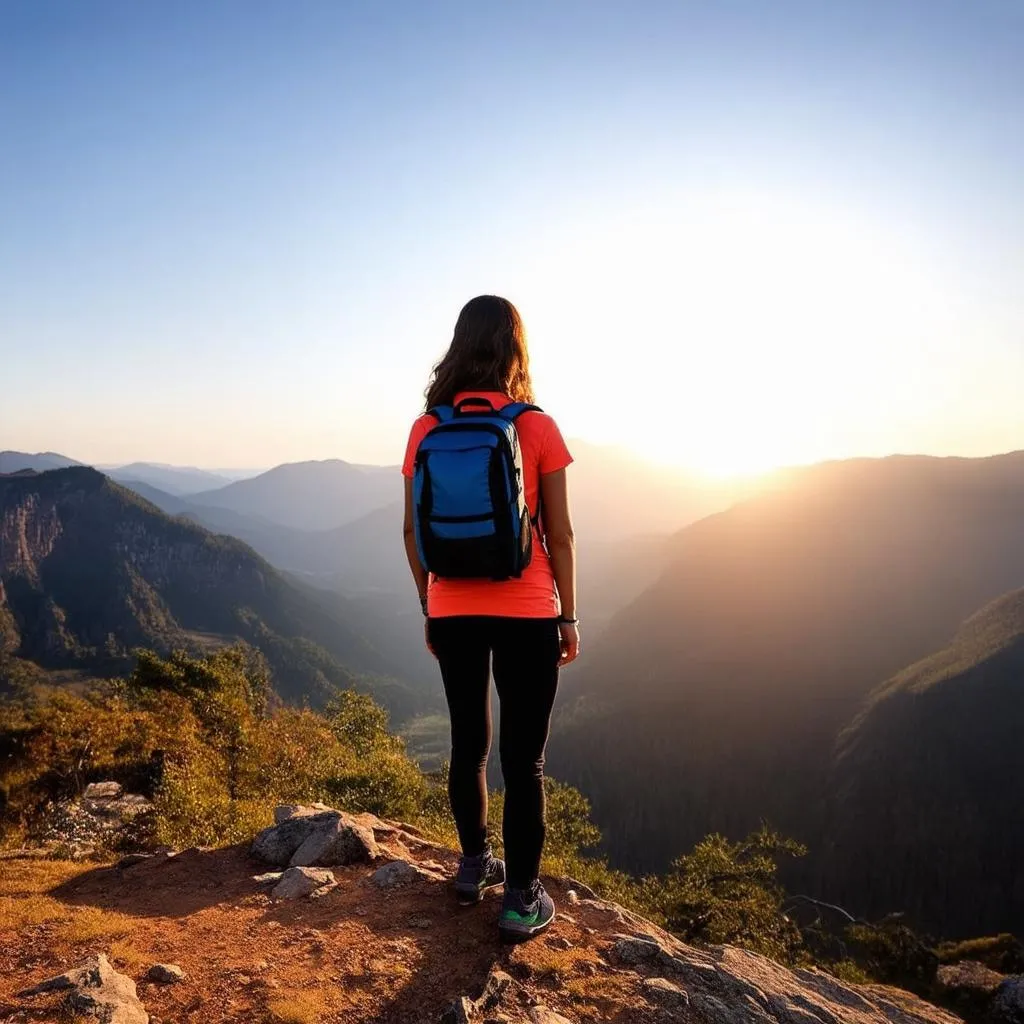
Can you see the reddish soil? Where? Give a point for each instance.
(359, 954)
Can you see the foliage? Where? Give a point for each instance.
(1003, 953)
(725, 892)
(892, 953)
(207, 740)
(201, 737)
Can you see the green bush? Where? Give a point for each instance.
(203, 737)
(725, 892)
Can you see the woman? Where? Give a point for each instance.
(525, 626)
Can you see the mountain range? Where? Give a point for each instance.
(785, 658)
(89, 571)
(716, 698)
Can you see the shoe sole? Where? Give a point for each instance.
(513, 933)
(471, 897)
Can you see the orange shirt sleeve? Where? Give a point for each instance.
(419, 430)
(554, 454)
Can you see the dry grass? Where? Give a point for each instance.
(124, 954)
(21, 912)
(305, 1006)
(559, 964)
(28, 877)
(90, 923)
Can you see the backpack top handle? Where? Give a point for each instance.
(460, 407)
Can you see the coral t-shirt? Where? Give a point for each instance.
(533, 595)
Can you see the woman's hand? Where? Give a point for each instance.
(570, 637)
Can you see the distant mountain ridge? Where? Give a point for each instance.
(308, 495)
(179, 481)
(89, 571)
(16, 462)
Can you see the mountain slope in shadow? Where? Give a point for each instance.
(89, 571)
(714, 700)
(925, 791)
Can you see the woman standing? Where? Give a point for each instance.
(518, 616)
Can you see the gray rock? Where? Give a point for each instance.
(1008, 1002)
(285, 811)
(632, 950)
(662, 992)
(969, 976)
(98, 991)
(336, 842)
(278, 843)
(268, 877)
(462, 1011)
(298, 882)
(103, 791)
(495, 987)
(693, 972)
(165, 974)
(396, 872)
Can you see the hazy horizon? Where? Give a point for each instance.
(240, 234)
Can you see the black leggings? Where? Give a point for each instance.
(525, 653)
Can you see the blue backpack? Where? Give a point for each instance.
(471, 517)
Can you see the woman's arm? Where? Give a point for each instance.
(419, 574)
(561, 545)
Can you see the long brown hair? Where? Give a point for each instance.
(488, 353)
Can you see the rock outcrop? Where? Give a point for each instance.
(97, 991)
(97, 820)
(322, 838)
(385, 941)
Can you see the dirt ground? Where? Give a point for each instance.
(359, 954)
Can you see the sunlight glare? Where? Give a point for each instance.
(734, 334)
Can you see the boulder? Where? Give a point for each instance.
(663, 992)
(1008, 1002)
(298, 882)
(397, 872)
(285, 811)
(968, 976)
(633, 950)
(96, 990)
(103, 791)
(309, 836)
(165, 974)
(335, 843)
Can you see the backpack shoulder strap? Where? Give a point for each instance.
(515, 409)
(442, 413)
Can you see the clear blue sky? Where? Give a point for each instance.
(238, 233)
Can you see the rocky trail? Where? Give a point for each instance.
(366, 929)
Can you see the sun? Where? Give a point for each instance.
(736, 333)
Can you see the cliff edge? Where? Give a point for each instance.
(352, 920)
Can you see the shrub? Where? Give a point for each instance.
(725, 892)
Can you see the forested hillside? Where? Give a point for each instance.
(89, 571)
(924, 810)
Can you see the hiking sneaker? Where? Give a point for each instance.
(477, 875)
(525, 913)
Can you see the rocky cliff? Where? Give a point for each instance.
(89, 571)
